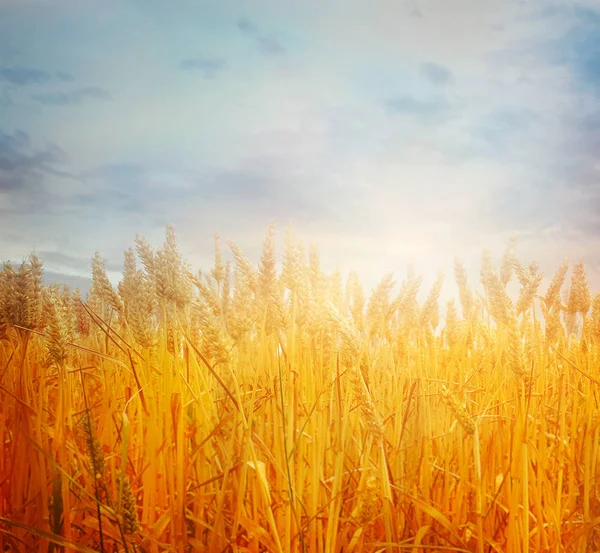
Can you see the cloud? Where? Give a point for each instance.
(6, 99)
(27, 173)
(260, 184)
(502, 134)
(254, 187)
(117, 171)
(576, 167)
(408, 105)
(60, 259)
(567, 62)
(18, 160)
(579, 47)
(63, 261)
(246, 26)
(72, 281)
(23, 76)
(268, 44)
(129, 189)
(282, 186)
(436, 74)
(74, 97)
(64, 76)
(209, 67)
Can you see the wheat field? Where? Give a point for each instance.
(250, 408)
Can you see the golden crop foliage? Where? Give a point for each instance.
(247, 408)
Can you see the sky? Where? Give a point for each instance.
(388, 132)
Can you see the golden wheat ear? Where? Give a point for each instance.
(94, 448)
(458, 410)
(131, 523)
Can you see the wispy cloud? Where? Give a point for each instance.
(210, 67)
(416, 13)
(31, 178)
(408, 105)
(61, 260)
(573, 53)
(246, 26)
(117, 171)
(23, 76)
(579, 48)
(6, 97)
(72, 281)
(64, 76)
(73, 97)
(268, 44)
(135, 189)
(21, 166)
(436, 74)
(268, 191)
(20, 75)
(501, 134)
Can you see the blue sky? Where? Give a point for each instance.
(387, 131)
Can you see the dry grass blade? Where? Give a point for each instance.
(48, 536)
(213, 372)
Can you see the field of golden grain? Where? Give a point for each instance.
(248, 409)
